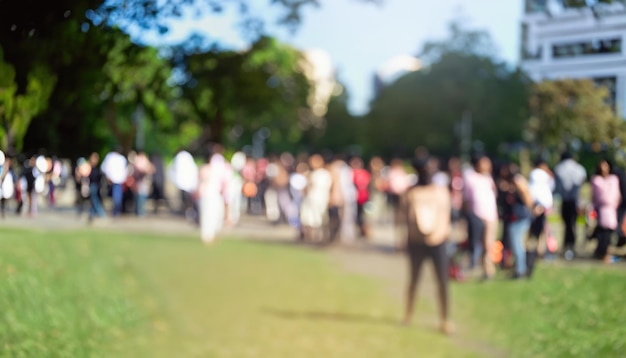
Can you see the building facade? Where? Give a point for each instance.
(562, 42)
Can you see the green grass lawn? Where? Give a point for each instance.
(93, 293)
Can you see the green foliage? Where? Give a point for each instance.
(564, 110)
(260, 87)
(135, 76)
(17, 109)
(426, 107)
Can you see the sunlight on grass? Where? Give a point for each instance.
(561, 312)
(93, 293)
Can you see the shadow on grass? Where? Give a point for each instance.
(332, 316)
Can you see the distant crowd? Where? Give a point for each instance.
(330, 197)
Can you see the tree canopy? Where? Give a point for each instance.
(572, 109)
(426, 107)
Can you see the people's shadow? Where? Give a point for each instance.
(331, 316)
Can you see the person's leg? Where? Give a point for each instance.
(476, 229)
(416, 255)
(621, 238)
(334, 222)
(440, 260)
(488, 241)
(517, 232)
(604, 239)
(118, 197)
(33, 203)
(569, 213)
(360, 220)
(537, 227)
(140, 204)
(3, 202)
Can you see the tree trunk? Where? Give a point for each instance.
(216, 127)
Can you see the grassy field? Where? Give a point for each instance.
(93, 293)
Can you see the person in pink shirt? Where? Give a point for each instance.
(606, 198)
(482, 212)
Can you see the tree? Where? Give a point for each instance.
(66, 38)
(135, 78)
(426, 107)
(18, 109)
(97, 94)
(565, 110)
(260, 87)
(342, 131)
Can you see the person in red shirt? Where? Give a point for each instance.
(361, 178)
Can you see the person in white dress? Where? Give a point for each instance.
(235, 189)
(213, 192)
(315, 203)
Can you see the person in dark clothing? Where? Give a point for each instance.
(569, 177)
(425, 209)
(95, 184)
(158, 182)
(31, 173)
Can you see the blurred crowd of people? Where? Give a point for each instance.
(331, 197)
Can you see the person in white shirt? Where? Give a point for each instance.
(114, 167)
(184, 174)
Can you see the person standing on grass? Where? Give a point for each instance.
(82, 177)
(314, 208)
(95, 184)
(425, 209)
(142, 175)
(398, 182)
(569, 176)
(517, 213)
(361, 178)
(114, 168)
(7, 183)
(184, 174)
(621, 209)
(482, 212)
(606, 199)
(31, 173)
(541, 185)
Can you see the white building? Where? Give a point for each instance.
(561, 42)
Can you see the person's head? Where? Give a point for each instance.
(481, 163)
(396, 163)
(376, 164)
(603, 168)
(316, 161)
(454, 164)
(356, 163)
(302, 168)
(426, 167)
(566, 155)
(512, 171)
(94, 158)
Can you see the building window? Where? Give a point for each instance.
(584, 48)
(536, 6)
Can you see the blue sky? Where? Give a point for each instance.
(360, 36)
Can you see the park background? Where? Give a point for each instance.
(74, 79)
